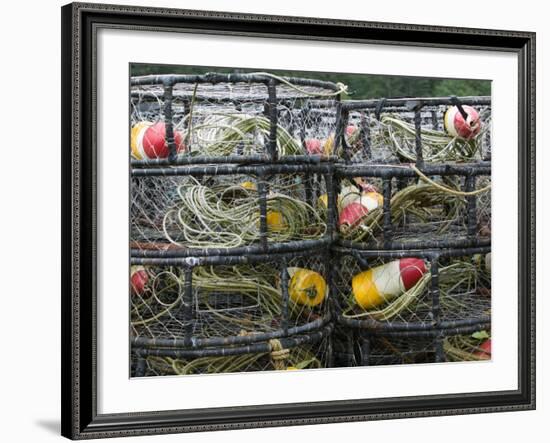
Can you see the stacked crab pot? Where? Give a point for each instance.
(230, 248)
(412, 253)
(275, 226)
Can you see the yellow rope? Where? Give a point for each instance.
(342, 87)
(446, 189)
(279, 355)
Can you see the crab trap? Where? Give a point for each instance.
(410, 295)
(416, 130)
(451, 345)
(230, 313)
(397, 207)
(231, 118)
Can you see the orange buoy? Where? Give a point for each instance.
(350, 130)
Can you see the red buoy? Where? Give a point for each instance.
(351, 215)
(484, 352)
(154, 141)
(313, 146)
(457, 126)
(138, 279)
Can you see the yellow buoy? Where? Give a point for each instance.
(306, 287)
(275, 221)
(328, 146)
(379, 198)
(138, 130)
(249, 185)
(323, 201)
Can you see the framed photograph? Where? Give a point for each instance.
(273, 221)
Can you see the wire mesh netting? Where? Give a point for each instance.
(362, 349)
(232, 116)
(395, 351)
(393, 134)
(399, 293)
(224, 211)
(381, 350)
(429, 212)
(228, 300)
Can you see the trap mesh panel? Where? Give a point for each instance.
(424, 214)
(224, 211)
(317, 127)
(343, 342)
(391, 138)
(483, 208)
(232, 119)
(230, 300)
(396, 351)
(392, 293)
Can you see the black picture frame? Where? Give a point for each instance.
(79, 173)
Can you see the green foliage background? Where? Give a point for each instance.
(360, 86)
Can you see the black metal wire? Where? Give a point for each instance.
(168, 89)
(470, 184)
(188, 303)
(434, 292)
(271, 113)
(432, 332)
(231, 169)
(428, 253)
(213, 342)
(388, 228)
(391, 171)
(223, 351)
(262, 204)
(232, 159)
(216, 77)
(411, 103)
(182, 256)
(396, 326)
(407, 246)
(418, 137)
